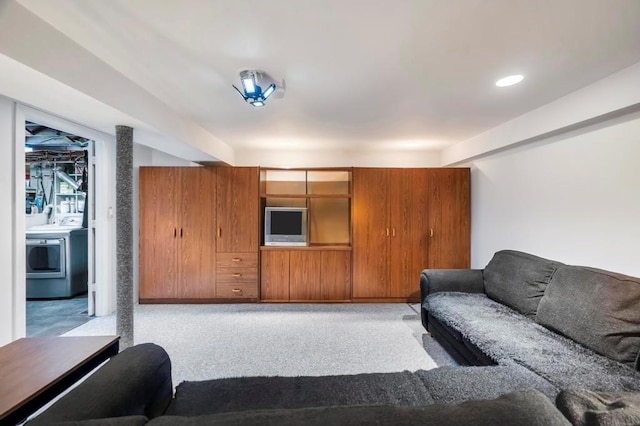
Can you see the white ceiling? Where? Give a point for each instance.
(386, 74)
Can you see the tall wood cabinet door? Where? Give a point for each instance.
(274, 275)
(449, 218)
(304, 275)
(237, 209)
(158, 244)
(409, 231)
(335, 275)
(370, 224)
(197, 233)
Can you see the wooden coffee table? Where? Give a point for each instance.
(35, 370)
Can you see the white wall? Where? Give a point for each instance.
(10, 294)
(159, 158)
(6, 222)
(575, 198)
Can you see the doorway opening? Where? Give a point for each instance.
(59, 175)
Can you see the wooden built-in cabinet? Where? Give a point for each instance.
(406, 220)
(371, 232)
(237, 216)
(274, 275)
(177, 233)
(237, 275)
(198, 234)
(305, 274)
(449, 219)
(321, 271)
(237, 210)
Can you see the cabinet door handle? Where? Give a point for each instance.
(180, 232)
(431, 233)
(236, 259)
(387, 232)
(219, 232)
(394, 231)
(237, 275)
(175, 232)
(236, 291)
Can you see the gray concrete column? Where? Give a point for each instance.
(124, 235)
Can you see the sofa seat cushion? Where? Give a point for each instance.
(259, 393)
(452, 385)
(508, 337)
(596, 308)
(518, 279)
(518, 408)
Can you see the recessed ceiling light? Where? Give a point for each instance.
(510, 80)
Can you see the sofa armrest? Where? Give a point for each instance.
(439, 280)
(462, 280)
(135, 382)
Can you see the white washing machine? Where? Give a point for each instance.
(57, 259)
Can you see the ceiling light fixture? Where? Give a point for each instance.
(510, 80)
(252, 83)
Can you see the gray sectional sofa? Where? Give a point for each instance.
(572, 326)
(134, 388)
(536, 331)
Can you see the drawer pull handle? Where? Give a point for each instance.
(236, 290)
(237, 275)
(236, 259)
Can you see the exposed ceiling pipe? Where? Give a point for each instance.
(68, 179)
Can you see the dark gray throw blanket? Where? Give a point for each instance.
(587, 408)
(508, 337)
(259, 393)
(525, 408)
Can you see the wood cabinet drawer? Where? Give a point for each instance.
(231, 275)
(237, 290)
(237, 260)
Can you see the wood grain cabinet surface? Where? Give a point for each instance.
(177, 233)
(237, 241)
(335, 266)
(406, 220)
(198, 234)
(300, 275)
(274, 275)
(449, 218)
(237, 209)
(237, 279)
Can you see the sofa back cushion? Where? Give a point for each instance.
(596, 308)
(518, 279)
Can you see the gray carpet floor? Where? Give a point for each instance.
(243, 340)
(55, 317)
